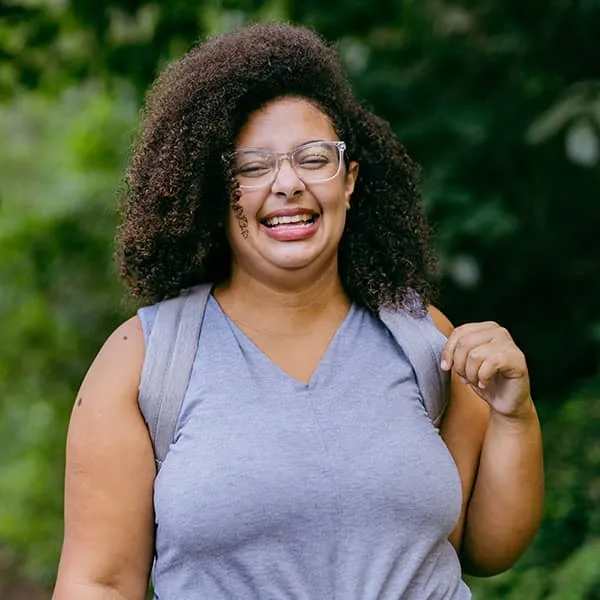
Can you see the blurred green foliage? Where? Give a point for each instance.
(500, 103)
(59, 165)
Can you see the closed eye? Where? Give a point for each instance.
(314, 162)
(253, 169)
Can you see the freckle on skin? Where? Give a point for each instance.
(124, 337)
(79, 401)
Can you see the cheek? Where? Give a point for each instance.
(335, 203)
(249, 203)
(241, 211)
(242, 220)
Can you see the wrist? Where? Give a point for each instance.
(523, 415)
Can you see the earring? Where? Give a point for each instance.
(347, 205)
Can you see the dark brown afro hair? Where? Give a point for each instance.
(178, 189)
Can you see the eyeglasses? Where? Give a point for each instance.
(314, 162)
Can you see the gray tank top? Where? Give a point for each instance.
(278, 490)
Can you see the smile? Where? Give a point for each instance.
(294, 227)
(293, 220)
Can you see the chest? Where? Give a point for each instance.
(296, 353)
(257, 450)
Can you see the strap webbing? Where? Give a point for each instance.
(422, 343)
(168, 363)
(173, 344)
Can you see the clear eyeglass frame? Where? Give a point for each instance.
(277, 157)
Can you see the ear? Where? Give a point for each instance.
(351, 176)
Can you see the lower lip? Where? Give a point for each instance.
(291, 233)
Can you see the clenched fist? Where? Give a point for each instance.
(487, 359)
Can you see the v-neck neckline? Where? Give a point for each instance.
(273, 366)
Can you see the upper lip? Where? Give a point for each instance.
(289, 212)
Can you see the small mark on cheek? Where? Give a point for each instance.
(124, 337)
(80, 401)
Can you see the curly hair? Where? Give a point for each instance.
(178, 190)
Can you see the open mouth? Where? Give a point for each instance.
(303, 220)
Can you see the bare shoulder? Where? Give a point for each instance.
(108, 394)
(109, 474)
(440, 320)
(463, 427)
(119, 361)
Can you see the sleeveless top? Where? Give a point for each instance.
(273, 489)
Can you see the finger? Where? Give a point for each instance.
(462, 340)
(508, 362)
(487, 330)
(457, 334)
(475, 359)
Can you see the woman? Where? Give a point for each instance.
(304, 464)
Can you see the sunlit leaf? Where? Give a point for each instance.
(582, 143)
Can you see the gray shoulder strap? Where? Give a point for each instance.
(422, 343)
(172, 346)
(170, 353)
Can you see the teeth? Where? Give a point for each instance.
(274, 221)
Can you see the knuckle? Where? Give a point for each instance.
(504, 332)
(498, 358)
(459, 345)
(518, 358)
(478, 353)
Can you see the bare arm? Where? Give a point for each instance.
(496, 443)
(109, 525)
(506, 505)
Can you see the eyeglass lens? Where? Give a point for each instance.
(313, 162)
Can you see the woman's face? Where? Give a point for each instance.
(288, 225)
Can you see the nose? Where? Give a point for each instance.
(286, 180)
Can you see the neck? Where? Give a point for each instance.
(288, 306)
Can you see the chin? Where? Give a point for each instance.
(297, 261)
(293, 264)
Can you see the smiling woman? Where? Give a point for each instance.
(294, 193)
(304, 459)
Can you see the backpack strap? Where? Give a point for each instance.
(173, 342)
(170, 352)
(422, 343)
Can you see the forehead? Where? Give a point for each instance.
(285, 123)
